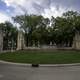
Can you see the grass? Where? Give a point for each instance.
(42, 57)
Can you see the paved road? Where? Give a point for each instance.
(17, 72)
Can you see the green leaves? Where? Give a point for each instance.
(9, 33)
(59, 30)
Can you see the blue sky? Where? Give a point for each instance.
(47, 8)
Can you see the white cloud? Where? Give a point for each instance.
(4, 17)
(44, 7)
(20, 6)
(14, 2)
(47, 8)
(53, 11)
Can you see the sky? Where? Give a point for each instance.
(46, 8)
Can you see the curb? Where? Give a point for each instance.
(12, 63)
(41, 65)
(60, 65)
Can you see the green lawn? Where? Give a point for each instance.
(42, 57)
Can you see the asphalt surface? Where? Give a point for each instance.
(21, 72)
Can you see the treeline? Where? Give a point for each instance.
(59, 30)
(43, 31)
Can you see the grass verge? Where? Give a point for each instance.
(42, 57)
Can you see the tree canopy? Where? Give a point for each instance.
(41, 31)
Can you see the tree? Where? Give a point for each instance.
(65, 27)
(9, 35)
(59, 30)
(32, 24)
(73, 23)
